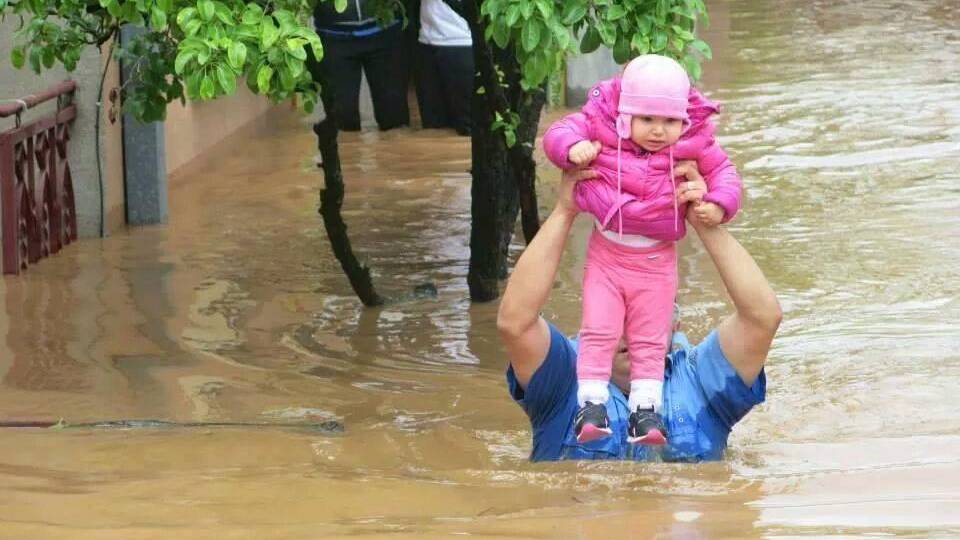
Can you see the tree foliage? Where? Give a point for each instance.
(541, 33)
(194, 49)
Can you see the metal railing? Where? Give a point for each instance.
(37, 209)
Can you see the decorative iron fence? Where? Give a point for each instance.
(37, 210)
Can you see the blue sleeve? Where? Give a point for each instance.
(551, 384)
(728, 397)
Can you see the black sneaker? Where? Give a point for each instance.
(591, 422)
(646, 427)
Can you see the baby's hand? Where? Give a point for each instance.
(583, 152)
(708, 213)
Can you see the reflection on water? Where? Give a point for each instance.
(844, 119)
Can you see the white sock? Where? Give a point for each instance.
(593, 391)
(645, 393)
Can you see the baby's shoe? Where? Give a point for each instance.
(645, 426)
(591, 422)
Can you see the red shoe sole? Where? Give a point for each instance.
(591, 432)
(653, 438)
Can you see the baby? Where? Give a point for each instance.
(630, 132)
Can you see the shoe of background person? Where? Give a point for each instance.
(646, 427)
(591, 422)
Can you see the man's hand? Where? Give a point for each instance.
(583, 152)
(707, 213)
(694, 187)
(569, 178)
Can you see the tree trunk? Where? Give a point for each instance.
(524, 168)
(331, 200)
(494, 204)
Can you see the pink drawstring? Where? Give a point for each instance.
(673, 181)
(619, 190)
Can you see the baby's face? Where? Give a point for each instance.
(654, 132)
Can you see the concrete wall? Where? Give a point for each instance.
(82, 149)
(584, 70)
(193, 128)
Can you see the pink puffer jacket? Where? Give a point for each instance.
(645, 204)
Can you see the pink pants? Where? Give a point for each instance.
(626, 290)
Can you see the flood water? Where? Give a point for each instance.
(844, 118)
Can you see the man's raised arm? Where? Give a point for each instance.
(745, 337)
(524, 333)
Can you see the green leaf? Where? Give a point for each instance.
(308, 105)
(510, 137)
(275, 55)
(183, 57)
(340, 5)
(17, 57)
(192, 27)
(621, 51)
(223, 13)
(207, 89)
(295, 66)
(113, 8)
(640, 44)
(561, 34)
(288, 21)
(193, 85)
(616, 12)
(590, 41)
(659, 41)
(34, 58)
(184, 17)
(530, 35)
(287, 80)
(608, 33)
(227, 79)
(526, 8)
(295, 49)
(682, 32)
(206, 9)
(692, 66)
(513, 14)
(644, 24)
(165, 5)
(129, 13)
(263, 78)
(158, 18)
(252, 14)
(268, 33)
(501, 34)
(237, 55)
(574, 14)
(545, 7)
(703, 48)
(70, 58)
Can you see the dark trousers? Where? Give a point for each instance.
(380, 57)
(444, 80)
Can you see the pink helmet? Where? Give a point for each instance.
(654, 85)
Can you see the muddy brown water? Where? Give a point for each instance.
(844, 118)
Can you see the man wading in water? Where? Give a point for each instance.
(707, 388)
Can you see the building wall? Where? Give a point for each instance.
(82, 147)
(191, 129)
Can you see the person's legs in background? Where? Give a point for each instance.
(383, 65)
(455, 65)
(429, 82)
(340, 67)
